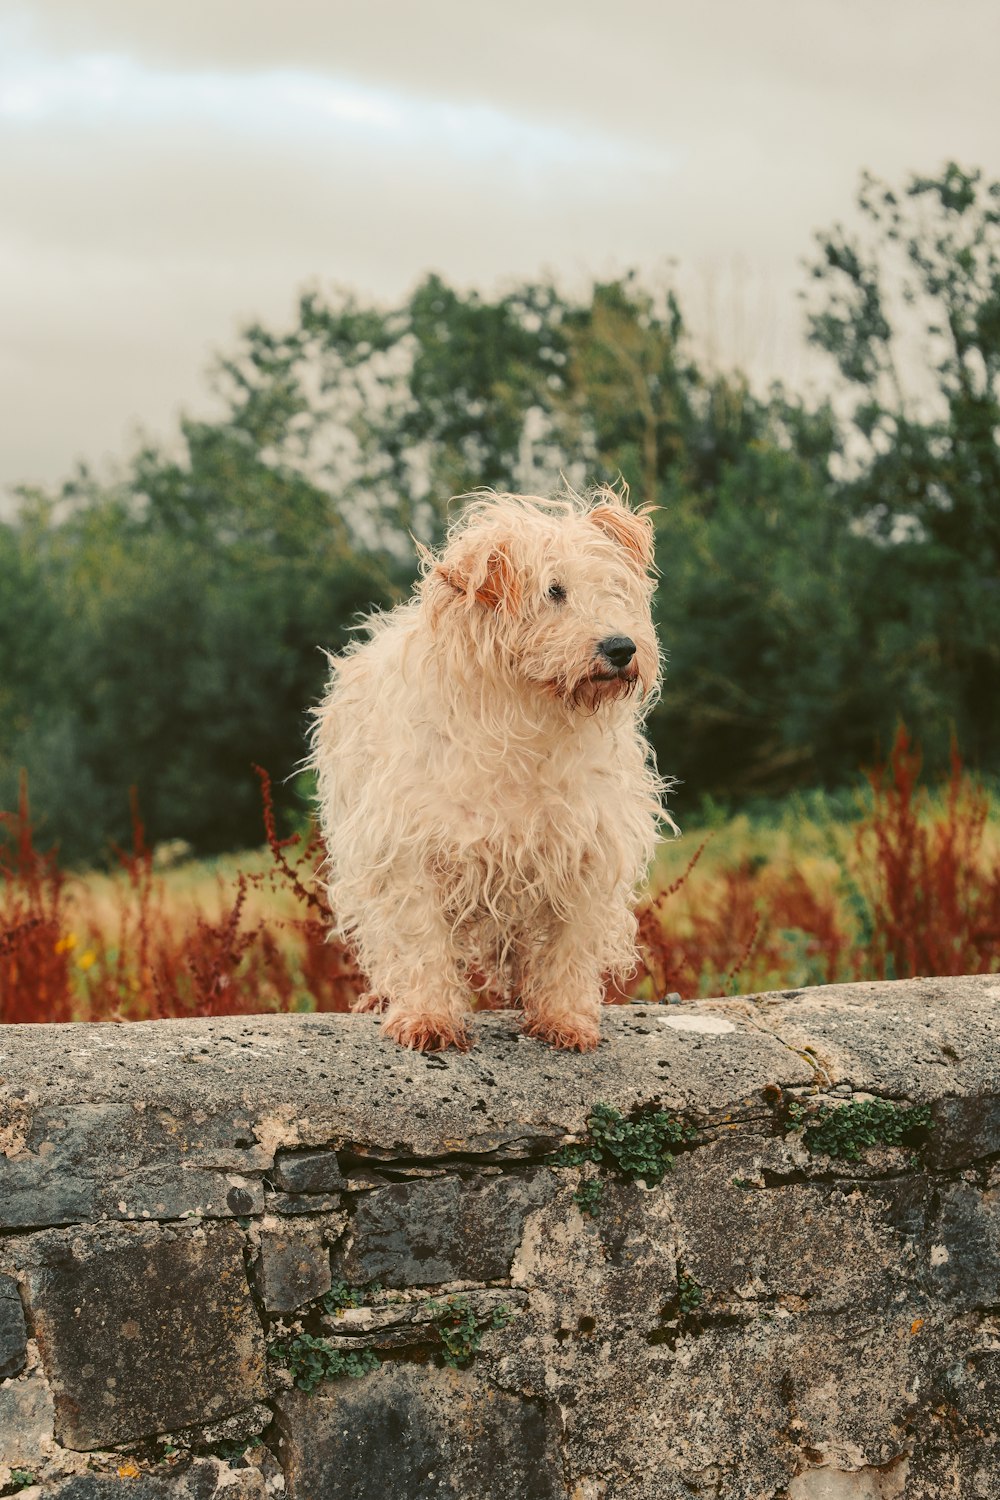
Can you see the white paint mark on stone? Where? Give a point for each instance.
(939, 1255)
(709, 1025)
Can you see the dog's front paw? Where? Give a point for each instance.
(576, 1036)
(425, 1032)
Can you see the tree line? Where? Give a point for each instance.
(826, 568)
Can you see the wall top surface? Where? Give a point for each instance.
(311, 1079)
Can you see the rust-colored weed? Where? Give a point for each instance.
(917, 893)
(933, 892)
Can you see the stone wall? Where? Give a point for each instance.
(199, 1221)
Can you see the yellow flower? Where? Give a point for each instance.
(66, 944)
(87, 959)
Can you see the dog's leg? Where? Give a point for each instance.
(561, 986)
(415, 966)
(429, 1016)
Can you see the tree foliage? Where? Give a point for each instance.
(910, 311)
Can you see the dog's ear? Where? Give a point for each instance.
(631, 530)
(488, 576)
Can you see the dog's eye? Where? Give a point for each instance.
(557, 593)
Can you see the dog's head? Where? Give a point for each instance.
(550, 594)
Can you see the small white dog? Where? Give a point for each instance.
(487, 796)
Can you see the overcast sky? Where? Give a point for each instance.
(171, 171)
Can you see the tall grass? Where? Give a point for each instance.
(128, 949)
(912, 888)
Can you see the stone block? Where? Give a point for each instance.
(965, 1130)
(293, 1267)
(308, 1172)
(419, 1432)
(204, 1479)
(109, 1160)
(851, 1484)
(13, 1334)
(27, 1420)
(964, 1249)
(422, 1233)
(833, 1246)
(143, 1328)
(301, 1203)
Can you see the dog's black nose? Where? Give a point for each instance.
(619, 650)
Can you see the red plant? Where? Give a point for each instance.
(926, 900)
(826, 949)
(934, 899)
(34, 945)
(329, 967)
(708, 951)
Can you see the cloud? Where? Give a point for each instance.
(168, 172)
(94, 90)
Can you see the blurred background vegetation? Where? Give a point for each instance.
(827, 569)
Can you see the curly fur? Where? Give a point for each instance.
(486, 794)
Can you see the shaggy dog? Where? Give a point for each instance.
(486, 793)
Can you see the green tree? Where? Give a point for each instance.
(397, 410)
(909, 307)
(179, 626)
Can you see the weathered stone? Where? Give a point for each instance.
(308, 1172)
(913, 1039)
(954, 1470)
(83, 1161)
(418, 1432)
(27, 1420)
(409, 1321)
(964, 1250)
(204, 1479)
(248, 1423)
(851, 1484)
(13, 1333)
(762, 1322)
(972, 1387)
(143, 1328)
(730, 1409)
(293, 1267)
(230, 1092)
(964, 1130)
(419, 1233)
(301, 1203)
(831, 1245)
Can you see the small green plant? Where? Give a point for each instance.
(233, 1449)
(341, 1296)
(689, 1294)
(459, 1330)
(588, 1195)
(312, 1360)
(21, 1478)
(796, 1114)
(640, 1149)
(845, 1131)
